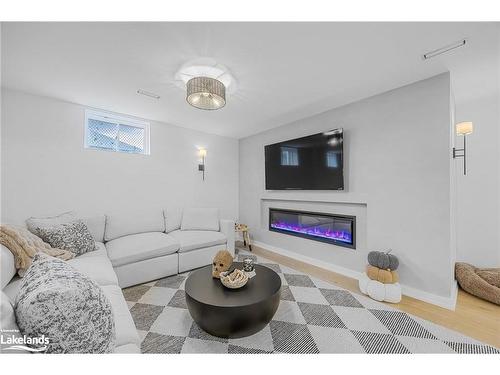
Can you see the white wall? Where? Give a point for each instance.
(397, 169)
(478, 193)
(476, 88)
(46, 170)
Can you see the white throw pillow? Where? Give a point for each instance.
(200, 219)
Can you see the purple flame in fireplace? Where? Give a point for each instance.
(317, 231)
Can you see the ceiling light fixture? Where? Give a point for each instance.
(206, 93)
(206, 83)
(147, 93)
(439, 51)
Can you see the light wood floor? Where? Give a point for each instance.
(473, 317)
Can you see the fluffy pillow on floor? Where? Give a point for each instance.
(59, 302)
(482, 283)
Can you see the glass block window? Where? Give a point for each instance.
(105, 131)
(289, 156)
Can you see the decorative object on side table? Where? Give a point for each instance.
(381, 279)
(222, 262)
(234, 280)
(243, 229)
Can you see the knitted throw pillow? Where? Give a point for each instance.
(73, 236)
(57, 301)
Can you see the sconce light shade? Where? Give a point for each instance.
(202, 152)
(464, 128)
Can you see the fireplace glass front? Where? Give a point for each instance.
(335, 229)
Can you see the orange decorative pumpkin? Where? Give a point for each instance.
(381, 275)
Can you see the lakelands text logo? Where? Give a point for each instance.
(12, 340)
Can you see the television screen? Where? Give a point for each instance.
(314, 162)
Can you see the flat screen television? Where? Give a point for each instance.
(314, 162)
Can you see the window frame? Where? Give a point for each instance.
(118, 120)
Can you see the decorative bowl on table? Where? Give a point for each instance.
(233, 279)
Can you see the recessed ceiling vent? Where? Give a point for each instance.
(148, 93)
(440, 51)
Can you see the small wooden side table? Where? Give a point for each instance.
(243, 229)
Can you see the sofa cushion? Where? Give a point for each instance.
(12, 289)
(58, 302)
(36, 222)
(124, 224)
(7, 266)
(100, 250)
(126, 333)
(137, 247)
(197, 239)
(8, 325)
(173, 219)
(98, 268)
(200, 219)
(96, 225)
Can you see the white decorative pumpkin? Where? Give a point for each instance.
(378, 291)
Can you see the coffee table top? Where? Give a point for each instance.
(202, 287)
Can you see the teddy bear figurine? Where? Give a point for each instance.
(221, 263)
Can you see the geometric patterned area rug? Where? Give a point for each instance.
(313, 317)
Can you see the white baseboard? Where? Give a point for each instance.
(445, 302)
(315, 262)
(434, 299)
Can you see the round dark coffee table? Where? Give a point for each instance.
(232, 313)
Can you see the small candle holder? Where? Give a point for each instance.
(248, 267)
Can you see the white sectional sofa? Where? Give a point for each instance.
(134, 248)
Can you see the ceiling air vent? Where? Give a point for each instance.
(439, 51)
(147, 93)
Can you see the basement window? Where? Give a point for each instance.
(109, 132)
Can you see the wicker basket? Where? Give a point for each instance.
(233, 281)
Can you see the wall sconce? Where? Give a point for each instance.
(464, 129)
(202, 153)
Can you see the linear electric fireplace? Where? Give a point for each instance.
(339, 230)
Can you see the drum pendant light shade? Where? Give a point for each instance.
(206, 93)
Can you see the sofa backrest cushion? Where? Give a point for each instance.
(173, 219)
(124, 224)
(96, 225)
(7, 266)
(200, 219)
(36, 222)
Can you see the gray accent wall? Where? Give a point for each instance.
(397, 181)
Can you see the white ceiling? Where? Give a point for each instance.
(285, 71)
